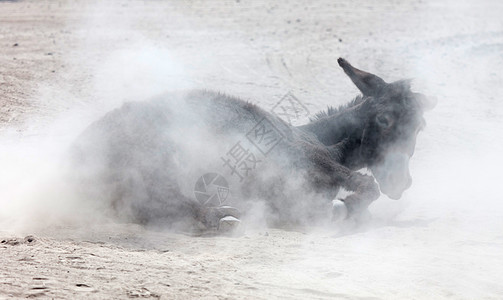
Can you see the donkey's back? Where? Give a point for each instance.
(145, 157)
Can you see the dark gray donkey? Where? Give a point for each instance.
(144, 158)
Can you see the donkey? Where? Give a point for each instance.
(137, 158)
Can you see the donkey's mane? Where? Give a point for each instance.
(335, 110)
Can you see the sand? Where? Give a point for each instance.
(65, 63)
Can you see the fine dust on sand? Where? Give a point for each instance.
(65, 63)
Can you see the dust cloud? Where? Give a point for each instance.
(452, 168)
(442, 239)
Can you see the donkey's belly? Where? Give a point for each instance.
(145, 158)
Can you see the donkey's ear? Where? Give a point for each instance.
(368, 84)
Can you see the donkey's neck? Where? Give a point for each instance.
(333, 129)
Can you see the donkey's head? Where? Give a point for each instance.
(392, 116)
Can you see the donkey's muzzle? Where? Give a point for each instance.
(393, 175)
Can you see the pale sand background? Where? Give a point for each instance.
(75, 60)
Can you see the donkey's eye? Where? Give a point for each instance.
(384, 121)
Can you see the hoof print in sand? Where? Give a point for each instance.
(28, 240)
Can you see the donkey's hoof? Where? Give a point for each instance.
(226, 210)
(228, 224)
(339, 210)
(211, 215)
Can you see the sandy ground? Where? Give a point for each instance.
(65, 63)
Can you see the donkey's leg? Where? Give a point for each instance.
(222, 218)
(365, 191)
(185, 210)
(329, 174)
